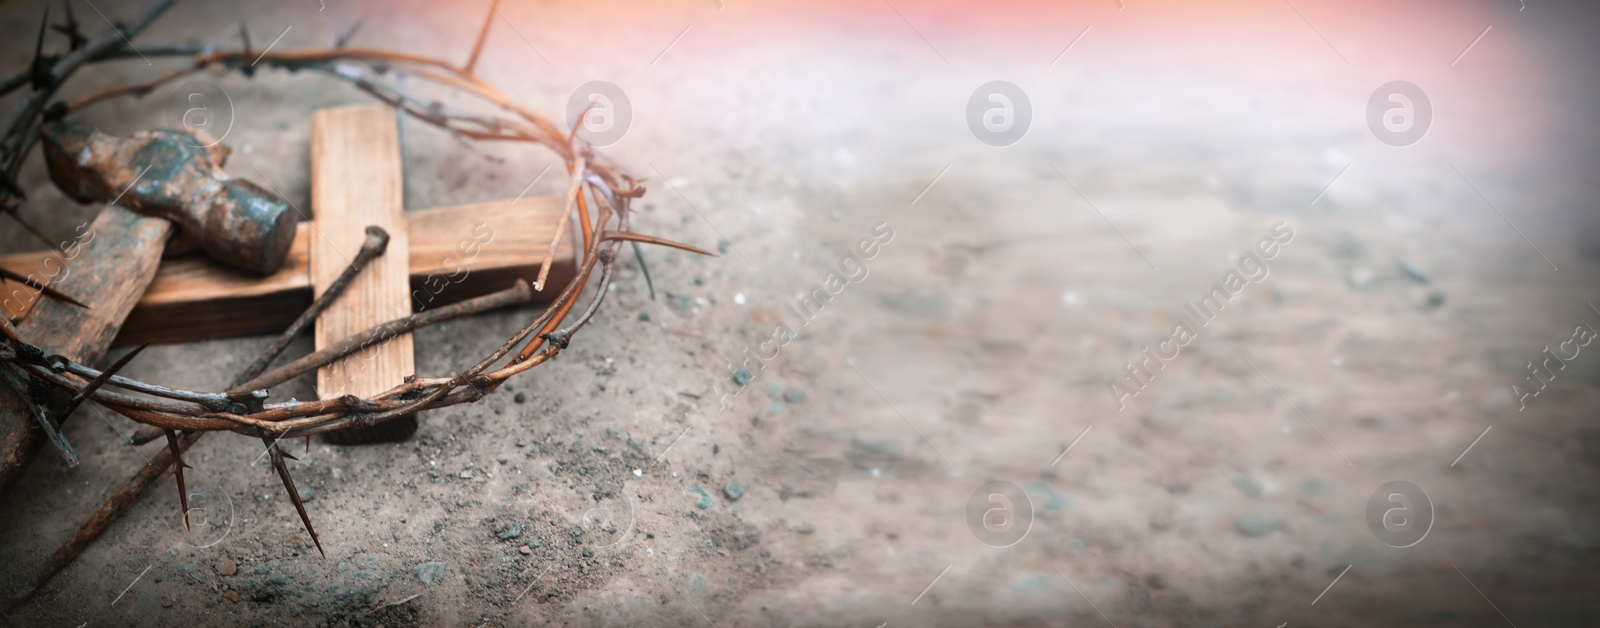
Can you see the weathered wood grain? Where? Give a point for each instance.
(109, 271)
(356, 182)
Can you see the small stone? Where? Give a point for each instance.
(306, 492)
(682, 302)
(1250, 485)
(1416, 273)
(166, 603)
(1258, 524)
(742, 376)
(525, 550)
(466, 475)
(794, 395)
(644, 316)
(773, 387)
(705, 501)
(588, 553)
(1435, 299)
(233, 596)
(227, 567)
(519, 398)
(734, 490)
(430, 573)
(515, 531)
(722, 246)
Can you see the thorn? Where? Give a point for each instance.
(71, 28)
(288, 485)
(97, 382)
(33, 230)
(483, 35)
(648, 239)
(177, 469)
(639, 255)
(244, 34)
(43, 288)
(344, 38)
(40, 70)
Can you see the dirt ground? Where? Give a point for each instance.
(847, 483)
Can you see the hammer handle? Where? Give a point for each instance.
(111, 265)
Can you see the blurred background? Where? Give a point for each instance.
(938, 446)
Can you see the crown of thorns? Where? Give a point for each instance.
(599, 198)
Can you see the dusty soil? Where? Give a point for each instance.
(616, 486)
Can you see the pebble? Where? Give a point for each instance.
(794, 395)
(525, 550)
(773, 387)
(738, 297)
(430, 573)
(512, 532)
(1258, 524)
(233, 596)
(722, 246)
(742, 376)
(705, 501)
(1435, 298)
(1250, 485)
(227, 567)
(1415, 272)
(306, 492)
(734, 490)
(644, 316)
(519, 398)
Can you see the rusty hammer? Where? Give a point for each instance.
(172, 174)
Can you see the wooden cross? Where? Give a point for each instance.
(434, 257)
(355, 182)
(192, 298)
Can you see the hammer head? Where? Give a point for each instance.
(171, 174)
